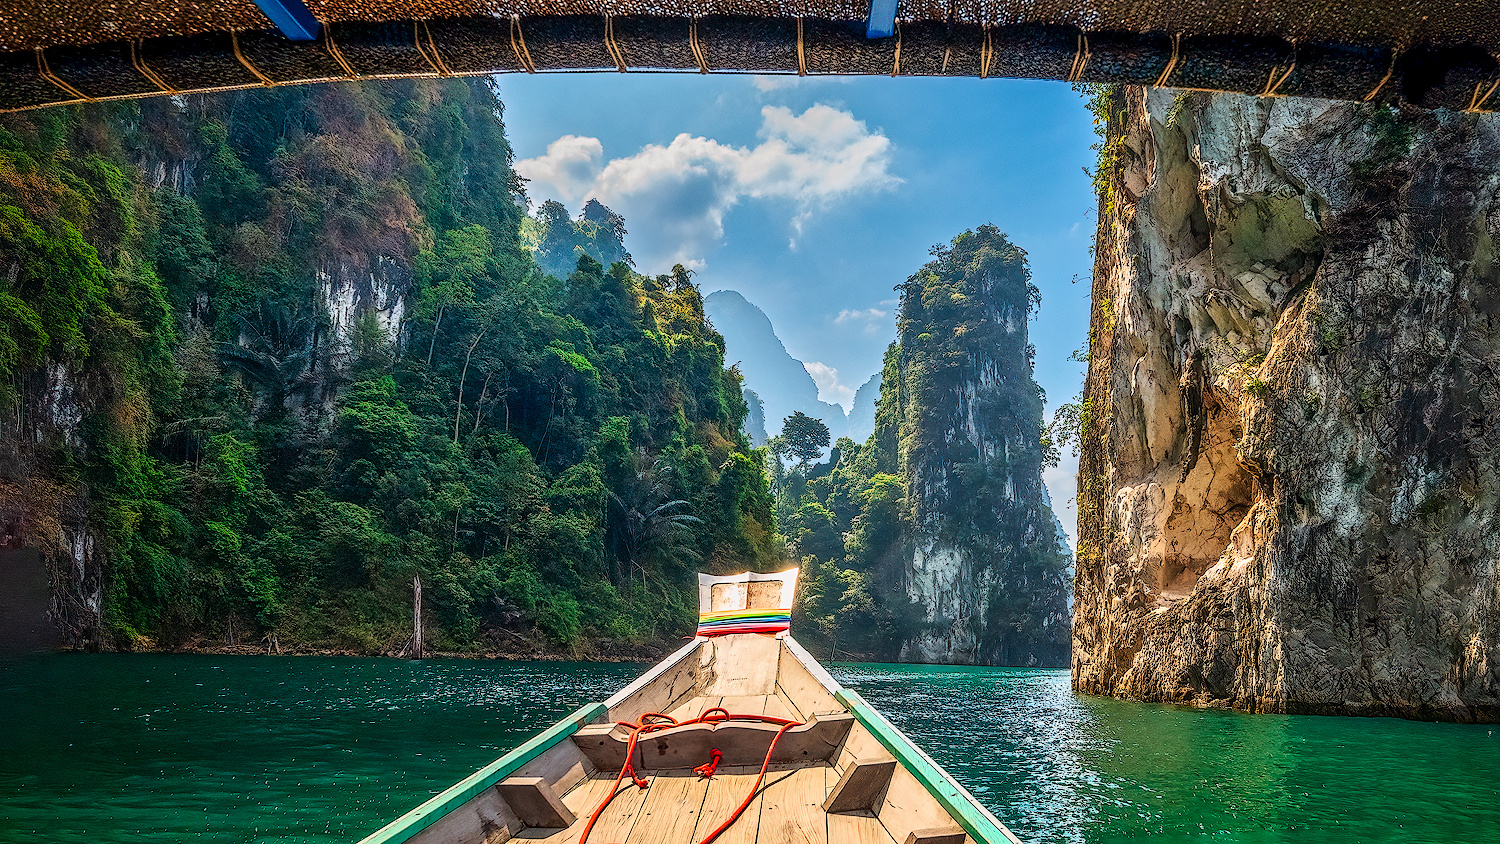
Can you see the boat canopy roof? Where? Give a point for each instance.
(1436, 23)
(1423, 52)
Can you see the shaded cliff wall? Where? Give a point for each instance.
(981, 556)
(1289, 478)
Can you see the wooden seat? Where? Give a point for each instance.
(741, 742)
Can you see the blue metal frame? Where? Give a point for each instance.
(292, 17)
(882, 20)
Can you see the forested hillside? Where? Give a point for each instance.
(265, 356)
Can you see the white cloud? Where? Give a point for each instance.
(829, 388)
(768, 83)
(873, 319)
(566, 173)
(675, 197)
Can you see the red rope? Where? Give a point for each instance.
(655, 721)
(706, 771)
(754, 789)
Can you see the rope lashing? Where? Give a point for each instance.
(1273, 81)
(699, 55)
(615, 53)
(801, 57)
(1080, 58)
(1384, 79)
(653, 722)
(986, 53)
(265, 80)
(144, 70)
(1476, 102)
(333, 50)
(1166, 73)
(706, 770)
(896, 64)
(46, 73)
(518, 44)
(430, 53)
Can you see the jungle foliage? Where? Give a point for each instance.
(314, 355)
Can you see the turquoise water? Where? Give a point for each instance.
(150, 748)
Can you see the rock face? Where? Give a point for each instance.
(981, 552)
(862, 415)
(48, 434)
(1291, 431)
(38, 512)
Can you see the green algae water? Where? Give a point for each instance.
(153, 748)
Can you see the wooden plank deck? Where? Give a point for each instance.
(682, 808)
(670, 813)
(793, 813)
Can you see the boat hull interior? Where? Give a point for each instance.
(843, 774)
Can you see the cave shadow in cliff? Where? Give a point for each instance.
(25, 626)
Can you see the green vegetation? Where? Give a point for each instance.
(802, 437)
(1179, 104)
(1391, 141)
(557, 242)
(314, 357)
(925, 476)
(1105, 102)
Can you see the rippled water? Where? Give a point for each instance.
(148, 748)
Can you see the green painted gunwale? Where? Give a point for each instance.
(975, 820)
(425, 815)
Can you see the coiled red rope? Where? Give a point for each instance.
(654, 722)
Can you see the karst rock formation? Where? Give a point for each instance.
(1291, 428)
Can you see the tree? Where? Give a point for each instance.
(559, 241)
(451, 273)
(274, 349)
(655, 528)
(804, 437)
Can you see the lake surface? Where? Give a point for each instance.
(156, 748)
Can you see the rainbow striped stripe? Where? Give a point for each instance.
(744, 621)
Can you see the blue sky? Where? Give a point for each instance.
(814, 197)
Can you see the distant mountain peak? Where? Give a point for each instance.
(780, 381)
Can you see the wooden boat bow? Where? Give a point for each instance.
(839, 771)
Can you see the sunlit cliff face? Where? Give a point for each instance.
(1286, 492)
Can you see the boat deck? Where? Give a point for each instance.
(843, 775)
(682, 808)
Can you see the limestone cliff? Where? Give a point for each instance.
(1290, 477)
(980, 554)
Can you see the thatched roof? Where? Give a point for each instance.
(1428, 53)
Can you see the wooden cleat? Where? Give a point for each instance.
(861, 786)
